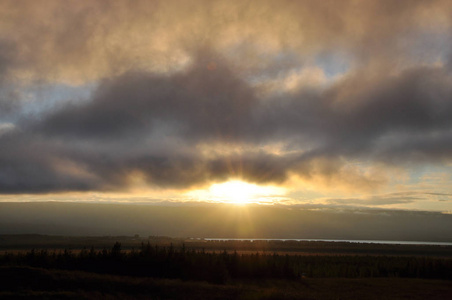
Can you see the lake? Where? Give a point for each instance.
(341, 241)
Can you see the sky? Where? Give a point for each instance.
(315, 104)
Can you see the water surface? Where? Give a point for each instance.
(341, 241)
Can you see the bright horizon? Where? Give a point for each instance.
(221, 220)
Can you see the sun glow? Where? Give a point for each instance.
(239, 192)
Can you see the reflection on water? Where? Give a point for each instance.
(343, 241)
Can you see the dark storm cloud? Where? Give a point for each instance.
(206, 100)
(30, 165)
(102, 143)
(398, 120)
(33, 166)
(354, 115)
(194, 170)
(111, 137)
(363, 118)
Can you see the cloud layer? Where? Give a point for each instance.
(184, 94)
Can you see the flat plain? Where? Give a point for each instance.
(62, 267)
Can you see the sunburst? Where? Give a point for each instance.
(240, 192)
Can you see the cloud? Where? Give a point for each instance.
(379, 200)
(123, 128)
(173, 78)
(199, 101)
(81, 41)
(9, 98)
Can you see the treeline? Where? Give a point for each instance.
(220, 267)
(26, 242)
(323, 247)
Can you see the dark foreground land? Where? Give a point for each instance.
(164, 268)
(38, 283)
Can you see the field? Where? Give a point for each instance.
(51, 267)
(33, 283)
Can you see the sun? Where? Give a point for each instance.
(240, 192)
(235, 191)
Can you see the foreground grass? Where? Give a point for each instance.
(35, 283)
